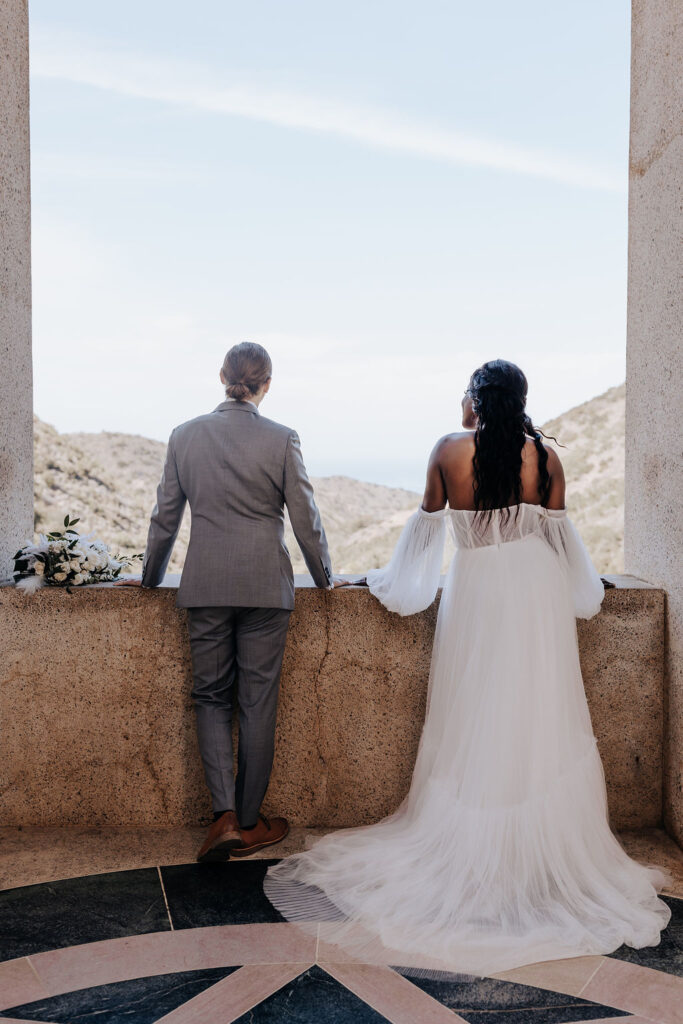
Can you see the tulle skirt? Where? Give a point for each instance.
(501, 854)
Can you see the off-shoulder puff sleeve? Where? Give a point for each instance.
(409, 582)
(586, 587)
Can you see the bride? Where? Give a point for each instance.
(501, 854)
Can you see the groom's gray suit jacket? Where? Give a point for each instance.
(237, 469)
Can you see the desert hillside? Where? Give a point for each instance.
(109, 480)
(593, 460)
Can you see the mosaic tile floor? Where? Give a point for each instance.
(199, 944)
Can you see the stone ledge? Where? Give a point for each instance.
(302, 581)
(98, 727)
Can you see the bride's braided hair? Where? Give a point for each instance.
(498, 390)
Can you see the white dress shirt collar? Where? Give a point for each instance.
(244, 402)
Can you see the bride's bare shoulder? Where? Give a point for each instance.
(459, 438)
(452, 454)
(456, 445)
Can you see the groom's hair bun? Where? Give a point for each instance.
(246, 368)
(239, 391)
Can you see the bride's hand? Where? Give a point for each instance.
(339, 581)
(129, 581)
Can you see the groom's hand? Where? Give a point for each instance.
(339, 581)
(131, 581)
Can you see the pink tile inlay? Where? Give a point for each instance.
(391, 994)
(639, 990)
(382, 956)
(568, 976)
(613, 1020)
(235, 995)
(19, 984)
(191, 949)
(23, 1020)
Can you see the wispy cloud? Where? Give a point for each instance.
(78, 60)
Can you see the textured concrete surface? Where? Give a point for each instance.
(16, 391)
(622, 664)
(654, 377)
(30, 854)
(98, 727)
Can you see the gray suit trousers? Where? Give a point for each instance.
(237, 652)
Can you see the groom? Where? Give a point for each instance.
(237, 469)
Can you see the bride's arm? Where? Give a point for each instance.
(409, 582)
(435, 489)
(586, 587)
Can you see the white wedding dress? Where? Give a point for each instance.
(501, 854)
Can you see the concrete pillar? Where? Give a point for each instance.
(654, 377)
(16, 383)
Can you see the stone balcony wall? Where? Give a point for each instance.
(98, 728)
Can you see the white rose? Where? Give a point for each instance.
(75, 564)
(39, 568)
(78, 579)
(60, 577)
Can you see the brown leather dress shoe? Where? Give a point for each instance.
(223, 836)
(265, 833)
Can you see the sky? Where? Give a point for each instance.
(383, 193)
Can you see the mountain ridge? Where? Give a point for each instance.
(109, 480)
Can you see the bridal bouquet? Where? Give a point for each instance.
(67, 559)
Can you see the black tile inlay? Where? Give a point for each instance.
(200, 895)
(312, 998)
(141, 1001)
(51, 915)
(490, 1001)
(668, 955)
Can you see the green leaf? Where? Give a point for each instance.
(66, 520)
